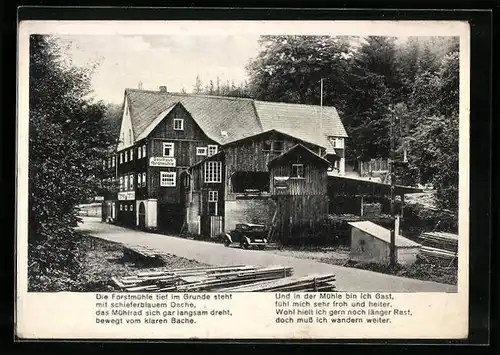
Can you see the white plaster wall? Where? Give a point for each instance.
(126, 126)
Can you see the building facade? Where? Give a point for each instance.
(186, 162)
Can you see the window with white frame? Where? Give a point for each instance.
(167, 179)
(144, 151)
(168, 149)
(104, 163)
(139, 180)
(143, 179)
(109, 163)
(201, 151)
(139, 151)
(125, 154)
(121, 183)
(126, 208)
(131, 154)
(178, 124)
(213, 171)
(121, 158)
(213, 199)
(131, 207)
(125, 179)
(212, 149)
(298, 171)
(131, 177)
(113, 161)
(121, 207)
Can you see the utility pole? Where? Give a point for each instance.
(393, 260)
(321, 94)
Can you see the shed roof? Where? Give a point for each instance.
(297, 149)
(337, 183)
(383, 234)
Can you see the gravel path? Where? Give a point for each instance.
(348, 279)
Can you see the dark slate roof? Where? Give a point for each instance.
(214, 114)
(238, 117)
(302, 121)
(294, 150)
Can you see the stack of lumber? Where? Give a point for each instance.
(439, 245)
(314, 283)
(200, 278)
(143, 255)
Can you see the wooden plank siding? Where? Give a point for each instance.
(315, 180)
(249, 156)
(185, 143)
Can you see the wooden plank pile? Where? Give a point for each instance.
(200, 278)
(439, 244)
(314, 283)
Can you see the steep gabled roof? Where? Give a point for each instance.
(298, 149)
(228, 119)
(215, 115)
(307, 122)
(269, 131)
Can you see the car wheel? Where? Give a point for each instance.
(227, 243)
(262, 247)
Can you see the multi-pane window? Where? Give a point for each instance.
(125, 153)
(213, 171)
(126, 183)
(121, 158)
(139, 151)
(143, 179)
(178, 124)
(131, 154)
(298, 171)
(168, 149)
(167, 179)
(213, 198)
(212, 149)
(121, 207)
(139, 180)
(131, 177)
(201, 151)
(126, 208)
(131, 207)
(113, 161)
(272, 146)
(144, 151)
(121, 183)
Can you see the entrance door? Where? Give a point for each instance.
(142, 216)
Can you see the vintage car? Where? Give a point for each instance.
(247, 235)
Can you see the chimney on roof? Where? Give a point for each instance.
(163, 88)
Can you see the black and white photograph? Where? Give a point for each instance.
(244, 162)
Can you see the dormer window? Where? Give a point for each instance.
(178, 124)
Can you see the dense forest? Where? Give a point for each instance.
(370, 81)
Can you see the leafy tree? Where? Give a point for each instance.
(67, 144)
(289, 69)
(197, 88)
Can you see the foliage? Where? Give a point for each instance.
(226, 88)
(67, 144)
(372, 81)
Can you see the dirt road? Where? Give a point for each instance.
(348, 279)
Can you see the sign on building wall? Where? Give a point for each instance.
(162, 161)
(127, 195)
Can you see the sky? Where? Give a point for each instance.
(155, 60)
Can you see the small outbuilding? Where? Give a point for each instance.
(371, 243)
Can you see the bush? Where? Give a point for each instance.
(420, 218)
